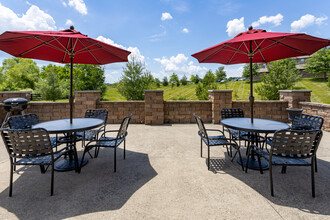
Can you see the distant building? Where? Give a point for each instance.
(300, 64)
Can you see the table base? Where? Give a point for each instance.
(253, 163)
(68, 165)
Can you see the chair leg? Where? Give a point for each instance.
(208, 157)
(11, 179)
(124, 148)
(52, 181)
(247, 158)
(315, 164)
(115, 162)
(42, 169)
(271, 178)
(313, 180)
(201, 147)
(240, 158)
(259, 161)
(82, 160)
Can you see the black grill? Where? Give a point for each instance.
(15, 105)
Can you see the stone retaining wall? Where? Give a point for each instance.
(182, 111)
(322, 110)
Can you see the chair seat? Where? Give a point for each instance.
(282, 160)
(89, 134)
(45, 160)
(216, 140)
(109, 142)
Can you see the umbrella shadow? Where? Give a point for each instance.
(97, 188)
(292, 189)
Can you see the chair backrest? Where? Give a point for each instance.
(232, 113)
(307, 122)
(202, 131)
(22, 121)
(122, 132)
(295, 143)
(97, 113)
(27, 142)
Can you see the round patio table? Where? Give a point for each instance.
(258, 126)
(64, 126)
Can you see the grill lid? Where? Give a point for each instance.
(15, 104)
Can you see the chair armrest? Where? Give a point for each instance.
(215, 130)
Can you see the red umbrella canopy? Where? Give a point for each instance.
(57, 46)
(262, 46)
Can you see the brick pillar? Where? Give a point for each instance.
(154, 107)
(220, 99)
(85, 100)
(15, 94)
(295, 96)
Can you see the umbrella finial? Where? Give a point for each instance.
(71, 27)
(250, 27)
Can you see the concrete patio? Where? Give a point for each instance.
(164, 177)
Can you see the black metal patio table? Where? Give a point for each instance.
(64, 126)
(259, 125)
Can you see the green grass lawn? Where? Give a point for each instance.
(241, 89)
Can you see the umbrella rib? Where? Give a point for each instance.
(278, 42)
(259, 49)
(67, 46)
(88, 50)
(236, 50)
(101, 47)
(46, 43)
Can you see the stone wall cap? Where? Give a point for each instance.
(153, 90)
(295, 90)
(89, 91)
(220, 90)
(129, 101)
(16, 92)
(315, 104)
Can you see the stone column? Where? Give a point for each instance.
(220, 99)
(154, 107)
(85, 100)
(295, 96)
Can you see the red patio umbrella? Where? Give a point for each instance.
(259, 46)
(66, 46)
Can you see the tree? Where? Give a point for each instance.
(50, 87)
(319, 63)
(209, 78)
(157, 82)
(18, 74)
(246, 70)
(165, 81)
(283, 74)
(220, 73)
(174, 80)
(195, 79)
(208, 83)
(184, 80)
(135, 80)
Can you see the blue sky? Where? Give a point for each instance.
(164, 33)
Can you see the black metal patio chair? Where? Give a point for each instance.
(26, 122)
(90, 135)
(291, 148)
(31, 147)
(110, 141)
(219, 140)
(303, 122)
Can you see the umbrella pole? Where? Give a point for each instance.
(71, 85)
(251, 83)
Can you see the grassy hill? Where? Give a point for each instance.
(241, 89)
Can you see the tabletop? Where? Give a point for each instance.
(259, 125)
(64, 125)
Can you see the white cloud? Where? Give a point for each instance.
(68, 22)
(135, 52)
(166, 16)
(275, 20)
(235, 27)
(305, 21)
(185, 30)
(180, 65)
(79, 5)
(33, 19)
(64, 3)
